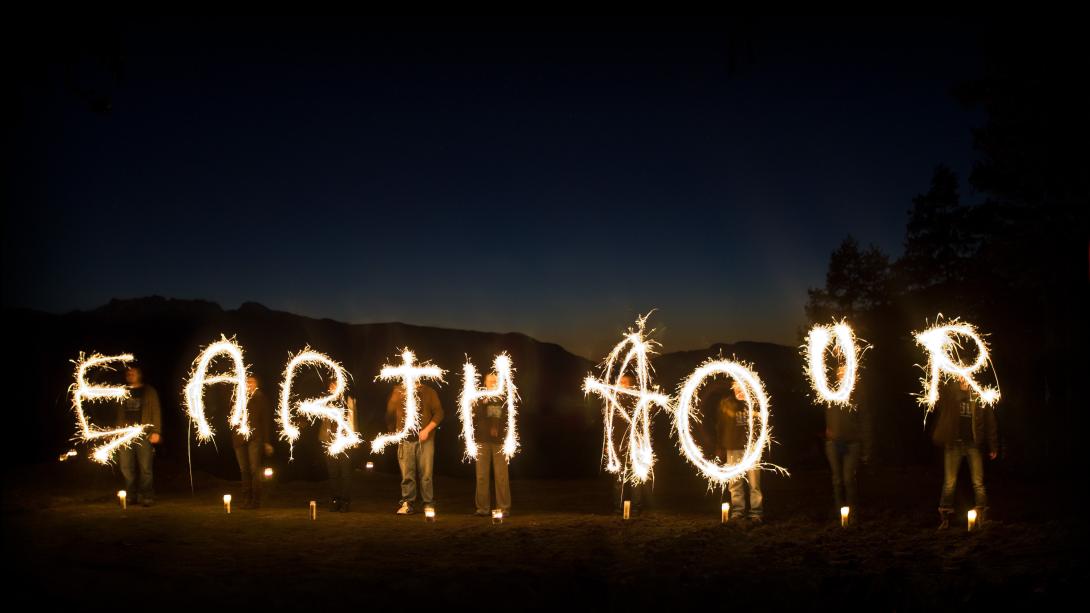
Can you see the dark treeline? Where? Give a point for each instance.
(1011, 259)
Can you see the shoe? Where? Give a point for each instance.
(405, 509)
(756, 520)
(483, 514)
(147, 502)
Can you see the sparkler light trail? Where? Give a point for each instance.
(410, 374)
(199, 378)
(817, 344)
(757, 438)
(505, 388)
(331, 406)
(944, 362)
(115, 438)
(637, 466)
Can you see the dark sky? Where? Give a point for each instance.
(554, 178)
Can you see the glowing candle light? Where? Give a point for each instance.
(122, 499)
(370, 466)
(726, 512)
(313, 510)
(199, 377)
(409, 373)
(971, 519)
(268, 473)
(505, 388)
(844, 511)
(68, 455)
(817, 344)
(757, 439)
(429, 514)
(627, 509)
(111, 438)
(227, 503)
(634, 362)
(331, 406)
(497, 516)
(943, 362)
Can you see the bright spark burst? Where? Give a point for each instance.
(758, 439)
(505, 388)
(847, 348)
(199, 378)
(409, 373)
(331, 406)
(944, 362)
(637, 466)
(82, 390)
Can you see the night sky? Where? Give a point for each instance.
(548, 177)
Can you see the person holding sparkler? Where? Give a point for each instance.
(731, 438)
(637, 492)
(415, 452)
(847, 442)
(141, 406)
(339, 466)
(965, 425)
(251, 450)
(488, 418)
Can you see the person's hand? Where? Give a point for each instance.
(424, 434)
(495, 431)
(268, 449)
(993, 455)
(154, 438)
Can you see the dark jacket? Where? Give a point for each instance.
(731, 432)
(985, 429)
(850, 425)
(150, 414)
(483, 424)
(429, 407)
(259, 415)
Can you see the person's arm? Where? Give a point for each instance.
(264, 424)
(155, 414)
(436, 413)
(392, 404)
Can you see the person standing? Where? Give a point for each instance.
(732, 434)
(250, 451)
(847, 442)
(964, 427)
(489, 415)
(140, 407)
(339, 466)
(416, 452)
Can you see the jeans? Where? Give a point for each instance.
(340, 476)
(139, 452)
(250, 469)
(952, 455)
(843, 458)
(490, 459)
(738, 492)
(413, 456)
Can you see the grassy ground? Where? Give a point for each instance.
(561, 547)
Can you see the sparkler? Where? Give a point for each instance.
(943, 361)
(331, 406)
(409, 373)
(757, 438)
(609, 387)
(199, 378)
(82, 390)
(817, 343)
(505, 388)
